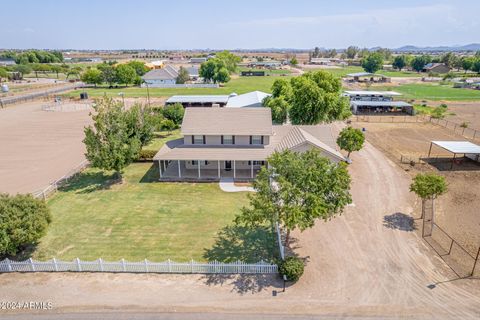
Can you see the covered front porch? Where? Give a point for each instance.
(208, 170)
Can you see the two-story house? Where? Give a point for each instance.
(235, 143)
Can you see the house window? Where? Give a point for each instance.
(198, 139)
(228, 139)
(256, 163)
(256, 139)
(202, 163)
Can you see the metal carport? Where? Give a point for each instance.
(467, 148)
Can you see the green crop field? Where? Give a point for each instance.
(432, 92)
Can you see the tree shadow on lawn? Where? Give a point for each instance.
(88, 181)
(239, 243)
(399, 221)
(152, 174)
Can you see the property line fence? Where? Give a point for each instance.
(53, 187)
(35, 95)
(462, 261)
(468, 133)
(144, 266)
(181, 85)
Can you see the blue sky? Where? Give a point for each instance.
(188, 24)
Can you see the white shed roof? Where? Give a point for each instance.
(458, 146)
(253, 98)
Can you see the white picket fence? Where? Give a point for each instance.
(145, 266)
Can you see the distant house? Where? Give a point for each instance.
(436, 68)
(166, 75)
(193, 72)
(235, 143)
(198, 60)
(250, 99)
(7, 62)
(327, 61)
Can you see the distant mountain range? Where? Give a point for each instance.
(468, 47)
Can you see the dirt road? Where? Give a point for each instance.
(37, 147)
(366, 263)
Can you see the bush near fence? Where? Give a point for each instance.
(145, 266)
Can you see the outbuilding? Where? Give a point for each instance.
(466, 148)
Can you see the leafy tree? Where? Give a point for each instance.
(297, 189)
(279, 107)
(282, 87)
(351, 139)
(74, 71)
(229, 60)
(112, 144)
(476, 65)
(108, 73)
(419, 62)
(208, 69)
(292, 268)
(174, 112)
(3, 74)
(183, 76)
(316, 98)
(141, 121)
(92, 76)
(316, 52)
(399, 62)
(294, 61)
(352, 52)
(372, 62)
(23, 221)
(448, 59)
(168, 125)
(125, 74)
(38, 67)
(139, 67)
(221, 76)
(22, 68)
(467, 63)
(428, 186)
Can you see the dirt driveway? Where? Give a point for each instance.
(37, 147)
(367, 262)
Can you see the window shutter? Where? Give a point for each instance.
(233, 139)
(250, 139)
(204, 140)
(262, 140)
(221, 140)
(193, 139)
(249, 162)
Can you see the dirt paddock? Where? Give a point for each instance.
(38, 146)
(458, 211)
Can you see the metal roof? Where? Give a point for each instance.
(372, 93)
(228, 121)
(365, 74)
(198, 99)
(253, 98)
(167, 73)
(458, 146)
(380, 103)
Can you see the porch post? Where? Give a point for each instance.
(218, 162)
(160, 165)
(179, 170)
(233, 169)
(198, 161)
(251, 169)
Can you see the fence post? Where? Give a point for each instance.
(191, 266)
(32, 265)
(55, 266)
(146, 265)
(123, 265)
(79, 267)
(100, 262)
(9, 265)
(169, 265)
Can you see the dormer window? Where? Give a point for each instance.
(257, 140)
(197, 139)
(228, 139)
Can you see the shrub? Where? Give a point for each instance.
(146, 155)
(23, 221)
(292, 268)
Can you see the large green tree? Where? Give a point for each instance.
(111, 143)
(92, 76)
(428, 186)
(372, 62)
(174, 112)
(139, 67)
(214, 70)
(229, 60)
(350, 139)
(399, 62)
(279, 107)
(108, 73)
(352, 52)
(125, 74)
(419, 62)
(297, 189)
(23, 221)
(183, 76)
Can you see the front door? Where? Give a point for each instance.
(228, 165)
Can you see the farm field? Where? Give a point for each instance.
(457, 210)
(238, 85)
(142, 218)
(436, 92)
(343, 71)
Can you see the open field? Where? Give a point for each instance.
(343, 71)
(457, 211)
(38, 147)
(368, 263)
(239, 85)
(142, 218)
(419, 91)
(267, 71)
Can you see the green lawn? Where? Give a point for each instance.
(267, 71)
(432, 92)
(342, 72)
(142, 218)
(239, 85)
(161, 138)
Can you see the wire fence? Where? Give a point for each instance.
(461, 129)
(144, 266)
(461, 260)
(53, 187)
(35, 95)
